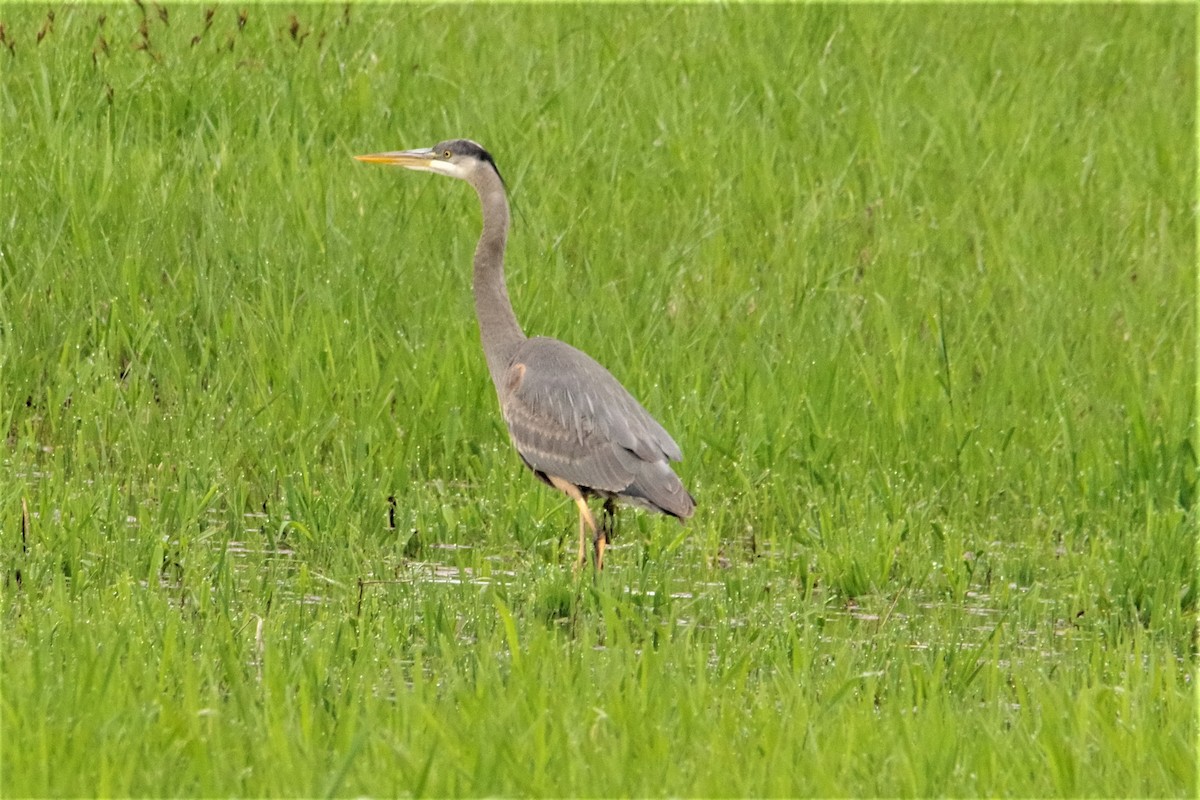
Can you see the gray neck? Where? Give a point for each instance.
(498, 327)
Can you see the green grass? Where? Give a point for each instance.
(913, 287)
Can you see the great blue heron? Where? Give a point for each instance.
(571, 421)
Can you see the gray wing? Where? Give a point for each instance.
(569, 417)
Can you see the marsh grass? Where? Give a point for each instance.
(913, 287)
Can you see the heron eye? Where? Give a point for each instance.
(445, 154)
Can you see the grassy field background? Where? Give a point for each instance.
(913, 287)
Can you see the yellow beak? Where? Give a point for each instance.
(413, 159)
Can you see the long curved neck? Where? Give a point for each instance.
(498, 327)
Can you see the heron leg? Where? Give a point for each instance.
(609, 522)
(582, 549)
(600, 542)
(607, 531)
(585, 518)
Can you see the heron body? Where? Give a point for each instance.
(573, 424)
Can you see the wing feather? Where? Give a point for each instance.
(569, 417)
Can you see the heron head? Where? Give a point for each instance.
(458, 158)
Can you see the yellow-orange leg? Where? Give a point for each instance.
(585, 518)
(600, 542)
